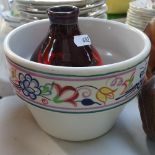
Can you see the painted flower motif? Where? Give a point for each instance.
(44, 101)
(46, 89)
(13, 73)
(104, 94)
(65, 94)
(29, 86)
(128, 83)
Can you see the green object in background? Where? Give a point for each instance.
(116, 16)
(117, 6)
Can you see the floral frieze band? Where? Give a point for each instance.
(77, 94)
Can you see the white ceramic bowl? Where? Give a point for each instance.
(84, 102)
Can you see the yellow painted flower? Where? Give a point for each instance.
(13, 73)
(104, 94)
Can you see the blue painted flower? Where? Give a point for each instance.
(30, 87)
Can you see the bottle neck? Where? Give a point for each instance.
(60, 30)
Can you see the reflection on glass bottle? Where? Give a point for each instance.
(64, 45)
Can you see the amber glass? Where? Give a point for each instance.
(58, 48)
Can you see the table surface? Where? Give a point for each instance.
(5, 86)
(20, 135)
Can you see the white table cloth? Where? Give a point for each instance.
(20, 135)
(5, 86)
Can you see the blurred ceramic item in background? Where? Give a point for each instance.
(1, 8)
(11, 15)
(52, 2)
(79, 103)
(5, 87)
(140, 13)
(37, 9)
(24, 11)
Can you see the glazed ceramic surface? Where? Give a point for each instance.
(78, 103)
(140, 13)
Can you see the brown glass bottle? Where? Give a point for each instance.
(59, 47)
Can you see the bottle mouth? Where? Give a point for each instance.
(69, 9)
(65, 14)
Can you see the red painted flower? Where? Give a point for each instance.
(44, 101)
(65, 94)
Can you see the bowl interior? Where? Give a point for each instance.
(115, 42)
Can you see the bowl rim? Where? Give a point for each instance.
(74, 70)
